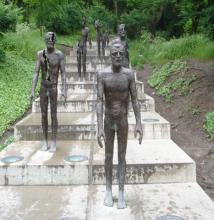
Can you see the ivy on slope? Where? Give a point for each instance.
(170, 78)
(15, 86)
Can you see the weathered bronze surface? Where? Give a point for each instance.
(82, 50)
(121, 31)
(116, 83)
(50, 61)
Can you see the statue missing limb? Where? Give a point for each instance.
(114, 84)
(121, 31)
(50, 61)
(82, 50)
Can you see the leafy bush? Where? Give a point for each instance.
(67, 19)
(15, 85)
(2, 55)
(209, 124)
(8, 17)
(107, 18)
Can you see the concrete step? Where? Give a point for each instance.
(87, 103)
(89, 66)
(89, 59)
(73, 76)
(82, 126)
(144, 202)
(155, 161)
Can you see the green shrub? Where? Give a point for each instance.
(8, 17)
(209, 124)
(2, 55)
(67, 19)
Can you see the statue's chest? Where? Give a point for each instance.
(116, 82)
(52, 61)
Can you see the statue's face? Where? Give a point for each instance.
(122, 31)
(117, 54)
(50, 39)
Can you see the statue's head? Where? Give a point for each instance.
(121, 31)
(117, 52)
(50, 39)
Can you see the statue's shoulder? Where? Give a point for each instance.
(127, 71)
(40, 53)
(59, 53)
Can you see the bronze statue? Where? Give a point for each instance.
(121, 31)
(82, 50)
(116, 83)
(99, 35)
(50, 61)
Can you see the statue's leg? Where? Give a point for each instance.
(84, 62)
(103, 50)
(54, 122)
(79, 64)
(109, 148)
(122, 136)
(98, 46)
(44, 111)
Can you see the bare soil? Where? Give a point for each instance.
(186, 123)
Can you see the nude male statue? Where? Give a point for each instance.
(99, 35)
(50, 61)
(82, 49)
(116, 83)
(121, 31)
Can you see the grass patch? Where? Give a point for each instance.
(209, 124)
(160, 51)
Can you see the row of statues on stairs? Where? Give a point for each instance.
(115, 84)
(102, 38)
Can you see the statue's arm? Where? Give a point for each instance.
(36, 75)
(100, 109)
(63, 77)
(136, 106)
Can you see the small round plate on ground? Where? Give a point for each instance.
(76, 158)
(151, 120)
(11, 159)
(67, 218)
(169, 217)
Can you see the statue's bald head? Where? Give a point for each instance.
(121, 31)
(117, 51)
(50, 39)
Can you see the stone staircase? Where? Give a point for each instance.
(161, 178)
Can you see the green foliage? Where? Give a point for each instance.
(24, 43)
(15, 85)
(8, 17)
(8, 141)
(2, 55)
(67, 19)
(107, 18)
(158, 50)
(209, 124)
(170, 78)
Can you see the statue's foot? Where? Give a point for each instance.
(53, 148)
(44, 147)
(108, 199)
(121, 201)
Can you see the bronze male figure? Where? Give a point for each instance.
(116, 83)
(82, 50)
(99, 35)
(50, 61)
(121, 31)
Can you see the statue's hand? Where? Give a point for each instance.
(139, 130)
(101, 135)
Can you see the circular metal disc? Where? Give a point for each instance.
(12, 159)
(150, 119)
(76, 158)
(169, 217)
(67, 218)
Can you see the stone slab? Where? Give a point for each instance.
(157, 161)
(43, 203)
(86, 102)
(81, 126)
(148, 202)
(144, 202)
(154, 161)
(45, 168)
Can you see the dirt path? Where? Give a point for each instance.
(186, 125)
